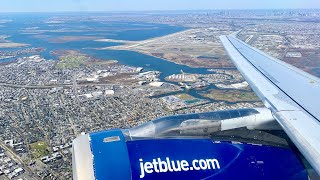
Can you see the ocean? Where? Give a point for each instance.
(41, 30)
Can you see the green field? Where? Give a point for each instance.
(188, 99)
(192, 101)
(71, 61)
(39, 149)
(231, 95)
(185, 97)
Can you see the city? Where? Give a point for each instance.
(46, 103)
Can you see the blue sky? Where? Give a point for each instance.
(140, 5)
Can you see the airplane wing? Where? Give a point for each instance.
(186, 146)
(292, 95)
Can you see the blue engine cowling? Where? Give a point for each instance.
(116, 154)
(190, 159)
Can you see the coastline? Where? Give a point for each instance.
(176, 48)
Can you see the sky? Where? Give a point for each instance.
(144, 5)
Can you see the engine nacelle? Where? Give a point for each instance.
(180, 147)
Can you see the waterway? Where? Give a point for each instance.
(36, 30)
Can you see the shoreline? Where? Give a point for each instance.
(191, 66)
(191, 60)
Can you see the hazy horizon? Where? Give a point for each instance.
(156, 11)
(17, 6)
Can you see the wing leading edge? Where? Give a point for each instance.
(292, 95)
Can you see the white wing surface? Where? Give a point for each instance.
(291, 94)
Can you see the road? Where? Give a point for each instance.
(18, 159)
(51, 86)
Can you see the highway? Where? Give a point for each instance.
(50, 86)
(18, 159)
